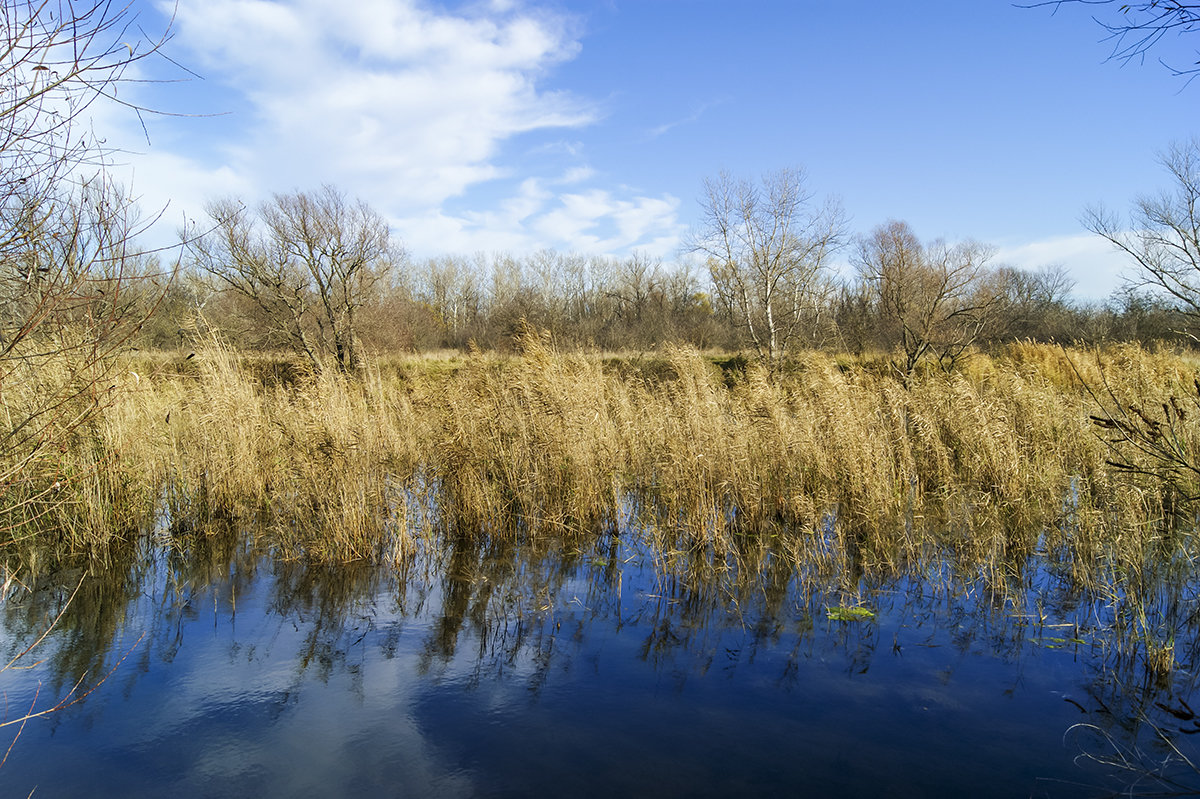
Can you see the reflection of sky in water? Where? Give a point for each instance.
(544, 676)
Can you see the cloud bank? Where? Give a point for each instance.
(419, 110)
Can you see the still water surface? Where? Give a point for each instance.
(497, 670)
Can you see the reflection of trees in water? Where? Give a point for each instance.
(335, 606)
(513, 607)
(198, 572)
(510, 598)
(1148, 754)
(531, 605)
(92, 602)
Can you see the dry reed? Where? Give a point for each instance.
(829, 463)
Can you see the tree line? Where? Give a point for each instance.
(770, 268)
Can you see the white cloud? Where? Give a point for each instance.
(577, 214)
(175, 187)
(592, 221)
(659, 130)
(392, 100)
(577, 174)
(598, 222)
(403, 104)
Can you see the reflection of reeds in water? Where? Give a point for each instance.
(832, 465)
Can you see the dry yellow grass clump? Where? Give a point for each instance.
(529, 441)
(311, 463)
(829, 461)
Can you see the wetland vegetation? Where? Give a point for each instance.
(489, 544)
(478, 525)
(285, 511)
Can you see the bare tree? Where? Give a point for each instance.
(929, 300)
(237, 255)
(767, 246)
(58, 57)
(308, 261)
(1162, 235)
(452, 288)
(636, 282)
(70, 274)
(1139, 28)
(73, 285)
(1033, 304)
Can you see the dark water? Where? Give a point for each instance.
(500, 670)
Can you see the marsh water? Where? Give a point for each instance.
(492, 668)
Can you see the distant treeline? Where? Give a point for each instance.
(318, 273)
(637, 303)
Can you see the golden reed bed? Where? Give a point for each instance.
(830, 468)
(986, 463)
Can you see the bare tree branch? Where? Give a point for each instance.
(1138, 28)
(931, 300)
(1162, 234)
(74, 287)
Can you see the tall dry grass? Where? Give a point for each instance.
(830, 463)
(312, 463)
(533, 443)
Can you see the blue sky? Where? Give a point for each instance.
(514, 125)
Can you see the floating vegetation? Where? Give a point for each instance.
(843, 613)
